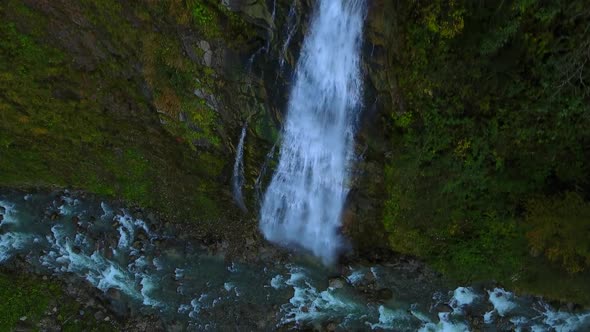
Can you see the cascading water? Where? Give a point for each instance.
(304, 200)
(238, 175)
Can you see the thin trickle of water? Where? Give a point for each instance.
(272, 17)
(290, 32)
(252, 58)
(304, 200)
(274, 10)
(238, 175)
(269, 157)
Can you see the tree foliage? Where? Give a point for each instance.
(560, 230)
(497, 112)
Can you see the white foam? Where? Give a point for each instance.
(99, 271)
(178, 273)
(355, 277)
(128, 228)
(9, 213)
(149, 285)
(68, 206)
(310, 304)
(421, 316)
(233, 268)
(12, 242)
(390, 318)
(566, 322)
(69, 252)
(111, 277)
(107, 212)
(216, 301)
(462, 297)
(502, 301)
(196, 308)
(184, 308)
(126, 231)
(445, 325)
(295, 277)
(374, 272)
(138, 265)
(139, 223)
(277, 282)
(519, 321)
(228, 286)
(488, 317)
(158, 263)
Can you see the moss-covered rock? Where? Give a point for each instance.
(139, 101)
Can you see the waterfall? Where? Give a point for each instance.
(238, 176)
(304, 201)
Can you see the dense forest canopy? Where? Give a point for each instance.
(492, 146)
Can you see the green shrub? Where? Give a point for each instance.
(559, 230)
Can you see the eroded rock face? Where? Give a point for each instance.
(362, 217)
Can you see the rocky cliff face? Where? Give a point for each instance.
(141, 101)
(146, 101)
(363, 218)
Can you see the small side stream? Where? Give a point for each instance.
(145, 271)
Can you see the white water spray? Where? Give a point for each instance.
(304, 200)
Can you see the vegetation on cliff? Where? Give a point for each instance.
(100, 96)
(30, 301)
(489, 172)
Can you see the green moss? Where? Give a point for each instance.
(131, 175)
(264, 127)
(174, 78)
(215, 20)
(95, 130)
(100, 12)
(202, 15)
(20, 298)
(31, 297)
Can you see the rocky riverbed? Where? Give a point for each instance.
(131, 271)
